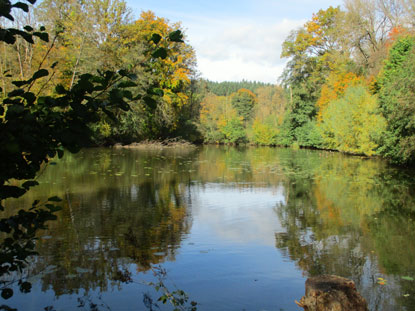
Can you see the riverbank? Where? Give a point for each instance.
(158, 144)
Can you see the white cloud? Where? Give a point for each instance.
(237, 39)
(238, 215)
(240, 49)
(237, 69)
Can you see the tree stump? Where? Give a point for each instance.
(331, 293)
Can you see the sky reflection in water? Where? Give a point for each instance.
(237, 229)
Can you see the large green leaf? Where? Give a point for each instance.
(160, 53)
(176, 36)
(155, 38)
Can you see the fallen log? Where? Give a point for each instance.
(331, 293)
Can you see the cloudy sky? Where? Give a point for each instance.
(236, 39)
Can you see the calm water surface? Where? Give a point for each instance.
(236, 229)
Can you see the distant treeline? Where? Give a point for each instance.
(226, 88)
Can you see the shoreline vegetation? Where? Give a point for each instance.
(347, 85)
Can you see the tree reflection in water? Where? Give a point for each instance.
(126, 211)
(354, 218)
(108, 221)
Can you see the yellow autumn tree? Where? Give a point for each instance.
(220, 121)
(170, 73)
(268, 115)
(353, 123)
(334, 88)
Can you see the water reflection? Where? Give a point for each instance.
(237, 227)
(240, 216)
(352, 217)
(119, 208)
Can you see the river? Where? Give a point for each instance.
(234, 228)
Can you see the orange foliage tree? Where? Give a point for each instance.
(334, 88)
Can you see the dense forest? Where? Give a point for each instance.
(347, 85)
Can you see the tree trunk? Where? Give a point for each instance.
(331, 293)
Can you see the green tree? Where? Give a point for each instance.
(234, 131)
(313, 51)
(87, 33)
(244, 102)
(396, 93)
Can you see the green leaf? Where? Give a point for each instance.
(176, 36)
(407, 278)
(25, 35)
(30, 97)
(22, 6)
(20, 83)
(44, 36)
(160, 53)
(150, 102)
(11, 192)
(127, 83)
(8, 16)
(123, 105)
(7, 36)
(155, 38)
(25, 287)
(156, 91)
(121, 72)
(40, 74)
(29, 183)
(54, 199)
(7, 293)
(133, 76)
(85, 84)
(18, 92)
(60, 89)
(53, 208)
